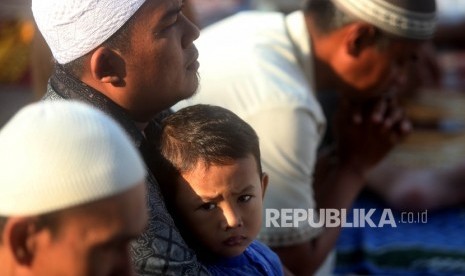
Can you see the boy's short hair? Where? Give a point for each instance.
(206, 133)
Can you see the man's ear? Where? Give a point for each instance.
(264, 183)
(19, 234)
(107, 66)
(360, 36)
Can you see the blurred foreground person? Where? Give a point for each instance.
(71, 193)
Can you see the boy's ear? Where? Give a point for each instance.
(18, 237)
(264, 183)
(360, 36)
(107, 66)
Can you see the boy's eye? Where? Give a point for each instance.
(208, 206)
(245, 198)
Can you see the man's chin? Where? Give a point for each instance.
(194, 88)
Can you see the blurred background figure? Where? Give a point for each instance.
(450, 43)
(22, 48)
(24, 58)
(435, 103)
(423, 177)
(285, 6)
(210, 11)
(451, 27)
(16, 35)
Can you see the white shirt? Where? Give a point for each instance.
(252, 64)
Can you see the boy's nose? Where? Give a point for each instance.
(232, 217)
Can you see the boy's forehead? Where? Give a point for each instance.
(234, 176)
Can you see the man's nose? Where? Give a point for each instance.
(191, 33)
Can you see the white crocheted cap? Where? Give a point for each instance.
(73, 28)
(55, 155)
(413, 19)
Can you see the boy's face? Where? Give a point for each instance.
(222, 205)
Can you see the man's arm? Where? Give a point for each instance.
(307, 257)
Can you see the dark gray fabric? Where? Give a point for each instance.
(422, 6)
(160, 250)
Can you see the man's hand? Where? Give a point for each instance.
(366, 132)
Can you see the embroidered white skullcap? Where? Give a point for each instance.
(414, 19)
(60, 154)
(73, 28)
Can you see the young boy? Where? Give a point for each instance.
(215, 189)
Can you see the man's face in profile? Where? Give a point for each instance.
(161, 66)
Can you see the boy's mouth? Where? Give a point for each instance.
(235, 240)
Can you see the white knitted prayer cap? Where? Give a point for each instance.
(73, 28)
(55, 155)
(413, 19)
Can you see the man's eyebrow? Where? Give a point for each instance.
(172, 12)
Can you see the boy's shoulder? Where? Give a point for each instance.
(257, 259)
(261, 253)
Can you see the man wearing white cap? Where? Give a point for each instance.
(71, 192)
(132, 59)
(271, 70)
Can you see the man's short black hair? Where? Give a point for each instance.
(120, 40)
(49, 221)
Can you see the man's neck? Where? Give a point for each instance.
(141, 126)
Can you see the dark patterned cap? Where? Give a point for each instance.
(415, 19)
